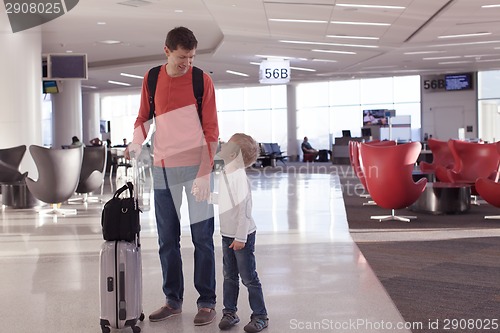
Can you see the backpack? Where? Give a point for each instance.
(198, 88)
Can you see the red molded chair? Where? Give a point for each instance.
(471, 161)
(356, 164)
(388, 174)
(489, 190)
(441, 155)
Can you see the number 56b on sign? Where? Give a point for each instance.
(274, 71)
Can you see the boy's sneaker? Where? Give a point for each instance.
(163, 313)
(256, 325)
(228, 320)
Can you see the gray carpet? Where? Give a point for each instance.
(433, 281)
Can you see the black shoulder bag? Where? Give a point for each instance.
(120, 216)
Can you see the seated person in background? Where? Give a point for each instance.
(75, 142)
(308, 149)
(125, 144)
(96, 142)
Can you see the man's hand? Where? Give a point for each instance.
(237, 245)
(201, 188)
(132, 151)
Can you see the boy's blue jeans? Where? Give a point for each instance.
(168, 186)
(242, 263)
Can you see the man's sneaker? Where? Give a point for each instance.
(256, 325)
(204, 316)
(228, 320)
(163, 313)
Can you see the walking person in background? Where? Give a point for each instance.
(184, 148)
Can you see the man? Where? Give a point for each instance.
(184, 147)
(308, 149)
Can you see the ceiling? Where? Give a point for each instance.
(233, 34)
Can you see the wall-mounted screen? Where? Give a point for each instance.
(65, 66)
(50, 87)
(458, 81)
(375, 117)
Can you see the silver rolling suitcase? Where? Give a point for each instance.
(121, 284)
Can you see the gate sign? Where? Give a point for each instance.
(274, 71)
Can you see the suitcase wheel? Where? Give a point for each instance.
(141, 318)
(105, 329)
(136, 329)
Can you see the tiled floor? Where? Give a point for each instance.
(314, 277)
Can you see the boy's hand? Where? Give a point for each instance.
(237, 245)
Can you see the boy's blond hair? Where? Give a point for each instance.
(248, 146)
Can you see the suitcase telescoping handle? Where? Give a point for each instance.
(135, 182)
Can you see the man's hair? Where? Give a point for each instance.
(181, 37)
(248, 146)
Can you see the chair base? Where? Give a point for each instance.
(56, 210)
(85, 198)
(392, 217)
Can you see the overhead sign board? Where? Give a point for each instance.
(274, 71)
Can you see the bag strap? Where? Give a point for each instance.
(128, 186)
(198, 89)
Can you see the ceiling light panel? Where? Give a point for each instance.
(303, 19)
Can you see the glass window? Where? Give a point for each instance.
(488, 83)
(230, 99)
(257, 98)
(312, 95)
(346, 118)
(315, 124)
(345, 92)
(375, 91)
(406, 89)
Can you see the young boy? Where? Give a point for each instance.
(237, 228)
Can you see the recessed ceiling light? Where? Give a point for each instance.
(109, 42)
(134, 3)
(360, 23)
(454, 62)
(468, 43)
(333, 51)
(423, 52)
(132, 75)
(278, 57)
(368, 6)
(352, 37)
(327, 44)
(89, 87)
(297, 21)
(490, 6)
(101, 23)
(119, 83)
(324, 60)
(237, 73)
(178, 11)
(466, 35)
(439, 58)
(303, 69)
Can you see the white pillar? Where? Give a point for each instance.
(292, 141)
(20, 90)
(91, 111)
(67, 113)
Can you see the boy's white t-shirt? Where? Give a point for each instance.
(235, 216)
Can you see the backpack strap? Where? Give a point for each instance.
(198, 89)
(152, 80)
